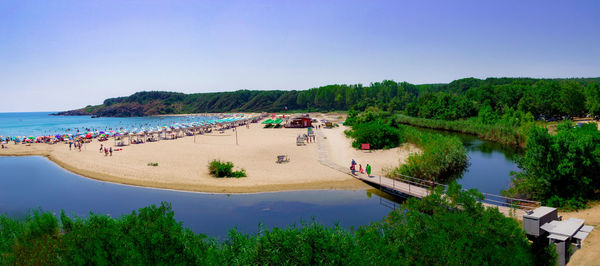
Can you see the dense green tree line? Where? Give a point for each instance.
(560, 170)
(453, 229)
(459, 99)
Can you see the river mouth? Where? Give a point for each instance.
(33, 182)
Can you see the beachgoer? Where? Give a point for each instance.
(70, 144)
(105, 152)
(368, 169)
(353, 166)
(101, 147)
(79, 147)
(110, 150)
(360, 169)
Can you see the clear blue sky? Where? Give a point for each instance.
(57, 55)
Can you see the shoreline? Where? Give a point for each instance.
(183, 187)
(183, 161)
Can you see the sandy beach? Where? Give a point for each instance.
(182, 163)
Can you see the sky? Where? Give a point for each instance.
(60, 55)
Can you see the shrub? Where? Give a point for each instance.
(218, 168)
(561, 170)
(442, 158)
(377, 133)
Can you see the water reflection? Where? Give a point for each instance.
(27, 183)
(490, 163)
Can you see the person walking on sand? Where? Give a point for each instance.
(101, 147)
(105, 151)
(110, 150)
(368, 169)
(360, 169)
(70, 145)
(353, 167)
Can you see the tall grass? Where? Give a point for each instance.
(442, 159)
(501, 133)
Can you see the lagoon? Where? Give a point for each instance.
(28, 183)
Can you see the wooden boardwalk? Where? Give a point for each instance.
(414, 187)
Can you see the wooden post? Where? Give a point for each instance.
(236, 138)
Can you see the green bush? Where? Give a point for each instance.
(377, 133)
(442, 159)
(224, 169)
(561, 170)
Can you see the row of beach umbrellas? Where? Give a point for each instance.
(136, 131)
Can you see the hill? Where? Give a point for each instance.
(549, 97)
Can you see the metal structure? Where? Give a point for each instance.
(419, 188)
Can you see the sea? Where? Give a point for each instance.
(44, 124)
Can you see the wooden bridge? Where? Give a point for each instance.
(415, 187)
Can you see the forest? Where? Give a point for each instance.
(463, 98)
(454, 229)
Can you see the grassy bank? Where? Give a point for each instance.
(451, 230)
(443, 158)
(501, 133)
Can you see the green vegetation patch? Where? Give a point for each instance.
(561, 170)
(442, 159)
(218, 168)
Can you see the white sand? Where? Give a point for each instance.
(182, 163)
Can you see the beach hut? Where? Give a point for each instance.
(299, 122)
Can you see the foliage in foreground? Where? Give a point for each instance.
(218, 168)
(452, 230)
(561, 170)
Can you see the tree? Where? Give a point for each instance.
(560, 170)
(592, 99)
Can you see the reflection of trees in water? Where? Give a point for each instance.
(396, 199)
(473, 143)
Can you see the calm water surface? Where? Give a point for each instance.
(490, 163)
(28, 183)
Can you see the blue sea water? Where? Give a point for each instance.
(44, 124)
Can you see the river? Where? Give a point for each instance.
(28, 183)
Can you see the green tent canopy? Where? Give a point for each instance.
(268, 121)
(277, 121)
